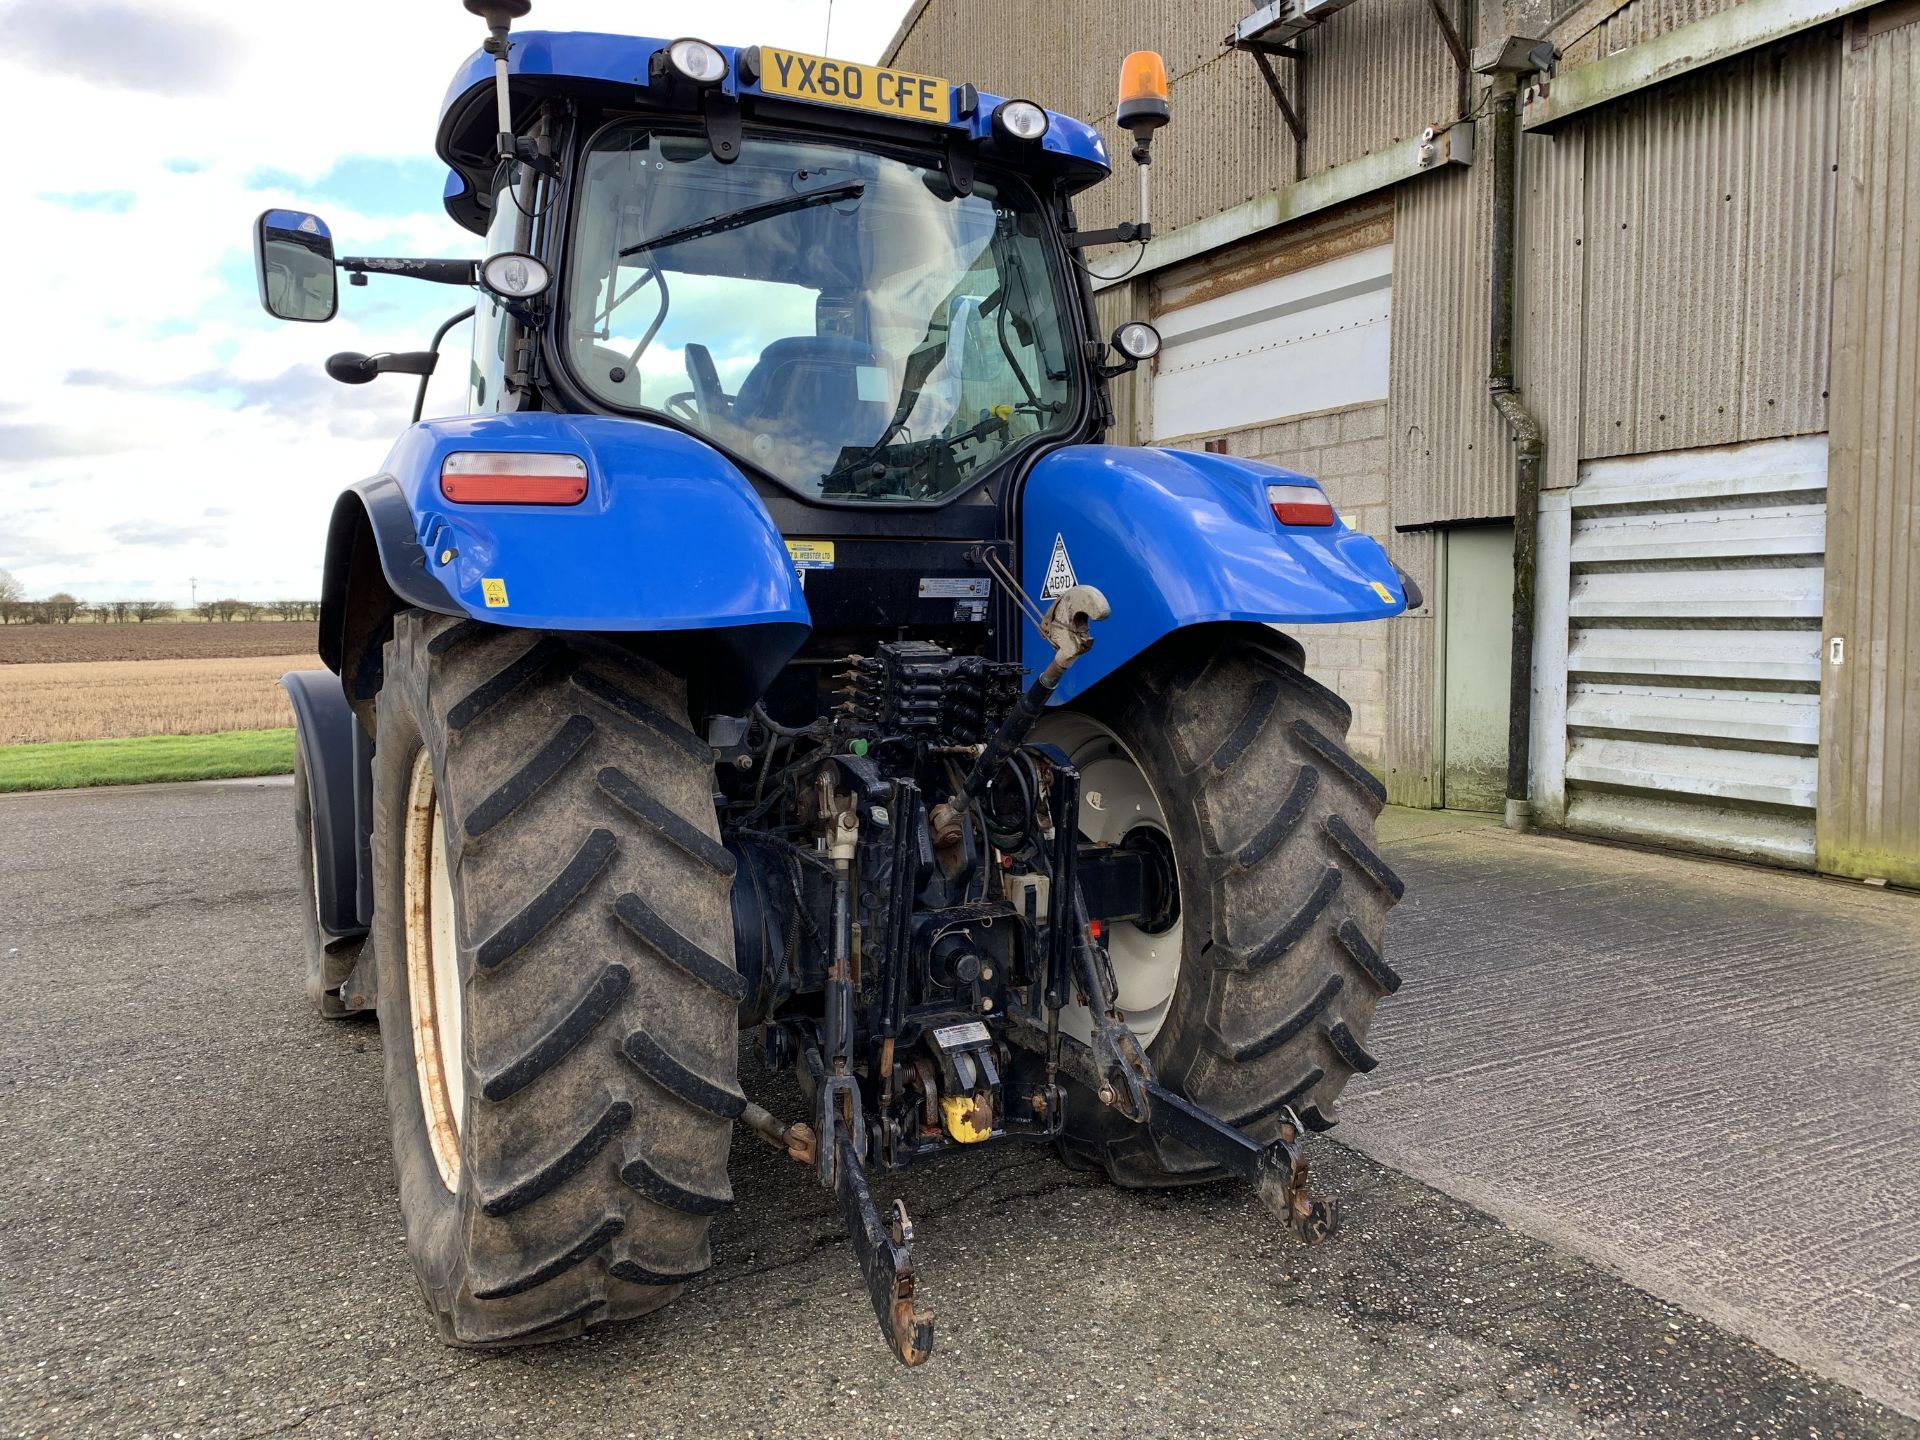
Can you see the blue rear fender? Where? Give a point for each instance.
(669, 539)
(1175, 538)
(670, 535)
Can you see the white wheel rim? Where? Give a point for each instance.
(1115, 800)
(433, 975)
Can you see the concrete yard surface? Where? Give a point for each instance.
(1704, 1075)
(199, 1234)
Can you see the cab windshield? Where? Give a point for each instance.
(841, 319)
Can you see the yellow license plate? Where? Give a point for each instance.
(855, 87)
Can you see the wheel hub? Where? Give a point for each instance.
(1118, 807)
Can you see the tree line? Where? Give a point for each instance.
(62, 608)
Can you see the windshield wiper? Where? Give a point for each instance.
(747, 214)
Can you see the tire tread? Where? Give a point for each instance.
(1293, 896)
(545, 1237)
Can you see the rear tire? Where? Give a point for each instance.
(587, 981)
(328, 963)
(1283, 898)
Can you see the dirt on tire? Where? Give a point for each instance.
(596, 975)
(1283, 896)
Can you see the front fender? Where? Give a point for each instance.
(1177, 538)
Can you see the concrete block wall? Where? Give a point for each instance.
(1346, 451)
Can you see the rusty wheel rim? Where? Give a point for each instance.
(433, 974)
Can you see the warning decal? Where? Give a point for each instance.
(1059, 572)
(494, 592)
(971, 1033)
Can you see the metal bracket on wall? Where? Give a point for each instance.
(1287, 112)
(1266, 33)
(1463, 62)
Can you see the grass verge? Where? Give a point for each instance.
(68, 764)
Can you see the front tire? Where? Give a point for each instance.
(558, 1004)
(1240, 760)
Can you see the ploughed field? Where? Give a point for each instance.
(156, 640)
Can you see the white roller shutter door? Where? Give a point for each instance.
(1690, 692)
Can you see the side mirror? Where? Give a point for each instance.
(350, 367)
(293, 256)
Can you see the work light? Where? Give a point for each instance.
(1020, 120)
(697, 61)
(1137, 340)
(515, 276)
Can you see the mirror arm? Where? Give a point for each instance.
(350, 367)
(439, 272)
(407, 362)
(420, 397)
(1124, 233)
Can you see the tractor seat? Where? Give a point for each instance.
(806, 390)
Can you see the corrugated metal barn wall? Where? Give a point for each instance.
(1869, 814)
(1449, 457)
(1550, 311)
(1676, 251)
(1709, 244)
(1372, 74)
(1114, 306)
(1585, 38)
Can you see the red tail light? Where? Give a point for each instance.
(478, 477)
(1300, 505)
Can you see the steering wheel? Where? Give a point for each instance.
(681, 407)
(706, 383)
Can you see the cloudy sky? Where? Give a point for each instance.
(158, 432)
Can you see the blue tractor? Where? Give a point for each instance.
(776, 644)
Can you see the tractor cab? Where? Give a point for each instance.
(863, 286)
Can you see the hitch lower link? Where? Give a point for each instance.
(883, 1246)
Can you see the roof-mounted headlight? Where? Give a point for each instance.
(1020, 120)
(697, 61)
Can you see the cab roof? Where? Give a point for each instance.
(617, 71)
